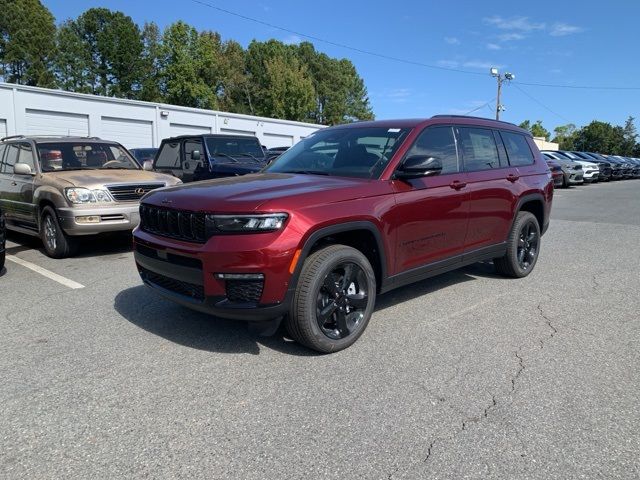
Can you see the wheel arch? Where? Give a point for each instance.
(533, 203)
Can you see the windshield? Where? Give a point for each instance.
(234, 147)
(347, 152)
(84, 156)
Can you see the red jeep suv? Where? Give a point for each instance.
(349, 212)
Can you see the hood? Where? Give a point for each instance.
(268, 191)
(96, 179)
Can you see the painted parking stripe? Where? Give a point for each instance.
(45, 273)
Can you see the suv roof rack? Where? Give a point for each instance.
(89, 137)
(471, 116)
(10, 137)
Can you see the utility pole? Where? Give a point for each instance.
(500, 78)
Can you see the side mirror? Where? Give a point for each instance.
(419, 166)
(22, 169)
(147, 165)
(195, 155)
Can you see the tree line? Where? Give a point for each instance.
(104, 52)
(599, 137)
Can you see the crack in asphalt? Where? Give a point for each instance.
(521, 368)
(554, 330)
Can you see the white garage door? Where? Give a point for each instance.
(3, 128)
(231, 131)
(276, 140)
(128, 132)
(42, 122)
(177, 129)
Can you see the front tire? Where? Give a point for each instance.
(523, 247)
(57, 244)
(334, 299)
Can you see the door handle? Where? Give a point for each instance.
(512, 178)
(13, 183)
(457, 184)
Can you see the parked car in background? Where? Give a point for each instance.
(200, 157)
(3, 240)
(143, 154)
(604, 166)
(556, 172)
(617, 165)
(409, 199)
(636, 167)
(60, 188)
(590, 170)
(572, 170)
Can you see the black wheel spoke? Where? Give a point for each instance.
(326, 313)
(343, 328)
(348, 277)
(330, 284)
(521, 254)
(358, 301)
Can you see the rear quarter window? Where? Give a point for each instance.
(169, 155)
(518, 149)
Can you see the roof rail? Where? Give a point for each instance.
(10, 137)
(471, 116)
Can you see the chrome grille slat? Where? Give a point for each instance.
(132, 192)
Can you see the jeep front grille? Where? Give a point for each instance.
(178, 224)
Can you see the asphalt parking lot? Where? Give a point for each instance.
(467, 375)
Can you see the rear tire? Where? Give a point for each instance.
(334, 299)
(523, 247)
(57, 244)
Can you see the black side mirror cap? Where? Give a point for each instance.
(417, 166)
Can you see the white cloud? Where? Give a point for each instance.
(481, 64)
(493, 46)
(292, 40)
(562, 29)
(521, 24)
(452, 40)
(508, 37)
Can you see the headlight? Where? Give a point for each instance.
(269, 222)
(84, 195)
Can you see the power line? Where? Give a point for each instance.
(543, 105)
(401, 60)
(481, 106)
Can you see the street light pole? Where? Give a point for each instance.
(500, 78)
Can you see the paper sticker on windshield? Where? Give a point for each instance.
(393, 130)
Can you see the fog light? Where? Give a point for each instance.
(239, 276)
(88, 219)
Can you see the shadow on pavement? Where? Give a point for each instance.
(90, 246)
(197, 330)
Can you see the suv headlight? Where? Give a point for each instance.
(269, 222)
(84, 195)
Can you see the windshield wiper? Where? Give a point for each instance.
(224, 155)
(249, 155)
(306, 172)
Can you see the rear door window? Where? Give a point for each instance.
(169, 155)
(10, 158)
(191, 146)
(518, 149)
(479, 150)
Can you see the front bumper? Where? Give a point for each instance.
(576, 177)
(187, 273)
(113, 218)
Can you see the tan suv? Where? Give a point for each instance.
(60, 188)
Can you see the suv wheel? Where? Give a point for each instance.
(334, 299)
(57, 244)
(523, 247)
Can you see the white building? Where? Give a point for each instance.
(41, 111)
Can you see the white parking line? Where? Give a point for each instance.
(46, 273)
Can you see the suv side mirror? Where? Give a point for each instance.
(419, 166)
(195, 155)
(147, 165)
(22, 169)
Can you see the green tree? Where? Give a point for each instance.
(235, 92)
(188, 67)
(537, 130)
(565, 136)
(600, 137)
(630, 135)
(289, 90)
(111, 59)
(27, 42)
(150, 63)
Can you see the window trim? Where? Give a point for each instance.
(526, 140)
(453, 129)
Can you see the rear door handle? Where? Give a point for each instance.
(13, 183)
(457, 184)
(512, 178)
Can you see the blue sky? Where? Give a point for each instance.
(540, 42)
